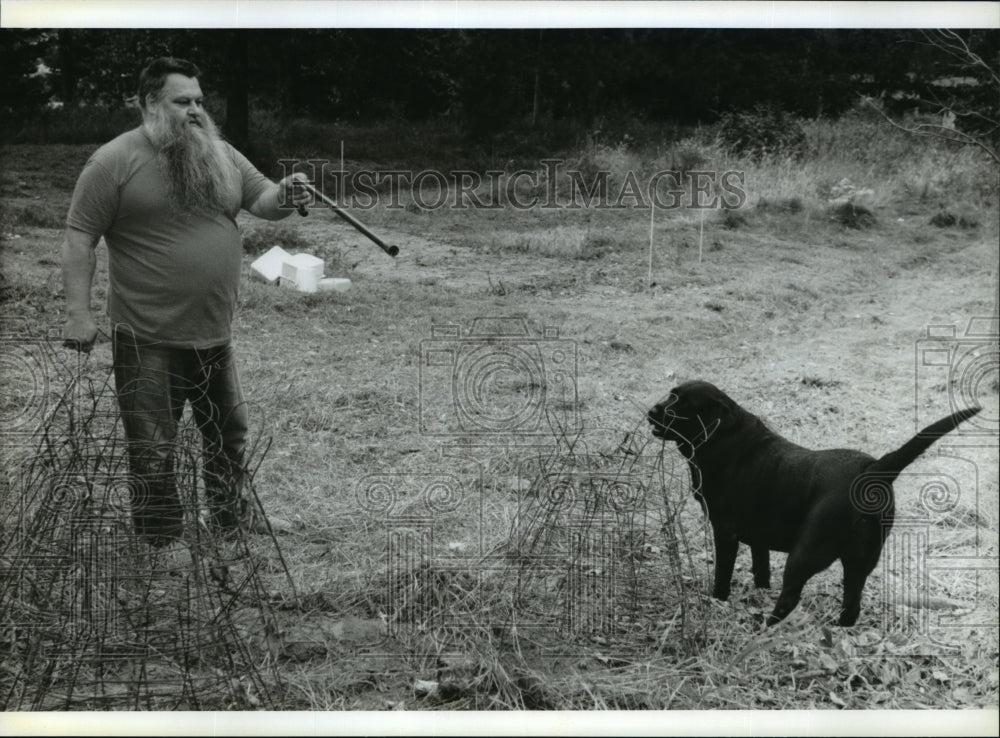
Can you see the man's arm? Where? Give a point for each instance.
(78, 262)
(280, 199)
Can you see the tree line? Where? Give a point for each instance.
(495, 79)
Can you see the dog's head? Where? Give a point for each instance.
(693, 413)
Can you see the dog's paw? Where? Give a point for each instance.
(721, 594)
(846, 619)
(774, 618)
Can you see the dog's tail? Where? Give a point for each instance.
(889, 466)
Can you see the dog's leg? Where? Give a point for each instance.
(761, 566)
(801, 565)
(855, 575)
(726, 546)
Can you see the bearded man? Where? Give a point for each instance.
(165, 196)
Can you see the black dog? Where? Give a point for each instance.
(763, 490)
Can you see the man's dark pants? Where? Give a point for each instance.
(153, 383)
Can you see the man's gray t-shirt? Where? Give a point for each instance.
(174, 277)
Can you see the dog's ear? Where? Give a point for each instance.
(717, 414)
(729, 413)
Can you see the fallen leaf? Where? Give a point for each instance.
(846, 647)
(942, 603)
(962, 695)
(889, 675)
(878, 698)
(272, 637)
(918, 600)
(337, 630)
(424, 688)
(520, 484)
(828, 662)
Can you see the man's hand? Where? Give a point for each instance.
(293, 190)
(79, 261)
(80, 333)
(278, 201)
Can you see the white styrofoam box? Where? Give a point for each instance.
(302, 271)
(334, 284)
(268, 266)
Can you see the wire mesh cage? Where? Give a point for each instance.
(594, 550)
(600, 545)
(94, 617)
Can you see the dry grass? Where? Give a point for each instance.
(473, 593)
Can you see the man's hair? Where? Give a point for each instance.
(154, 76)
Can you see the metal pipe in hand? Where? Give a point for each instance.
(390, 250)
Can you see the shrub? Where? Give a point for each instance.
(596, 245)
(947, 219)
(688, 158)
(852, 215)
(733, 219)
(781, 204)
(614, 163)
(762, 132)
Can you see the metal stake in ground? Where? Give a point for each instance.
(390, 250)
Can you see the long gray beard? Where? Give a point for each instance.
(200, 176)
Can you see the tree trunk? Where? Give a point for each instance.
(536, 93)
(237, 125)
(285, 77)
(67, 66)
